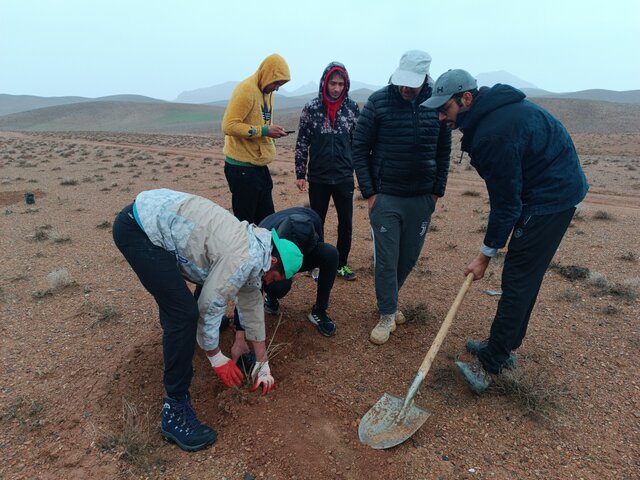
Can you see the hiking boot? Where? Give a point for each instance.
(400, 318)
(271, 305)
(474, 346)
(181, 426)
(475, 375)
(320, 319)
(386, 325)
(346, 273)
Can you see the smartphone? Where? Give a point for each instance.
(289, 131)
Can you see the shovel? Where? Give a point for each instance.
(392, 420)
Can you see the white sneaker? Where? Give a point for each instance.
(386, 325)
(400, 318)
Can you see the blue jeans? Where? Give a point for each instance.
(159, 274)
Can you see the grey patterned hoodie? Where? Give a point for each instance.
(324, 135)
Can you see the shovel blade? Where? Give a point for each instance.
(383, 427)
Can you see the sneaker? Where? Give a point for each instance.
(475, 375)
(325, 325)
(386, 325)
(346, 273)
(400, 319)
(474, 346)
(181, 426)
(271, 305)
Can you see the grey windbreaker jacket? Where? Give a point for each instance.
(213, 249)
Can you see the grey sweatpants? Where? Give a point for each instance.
(398, 228)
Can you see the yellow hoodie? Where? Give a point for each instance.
(245, 139)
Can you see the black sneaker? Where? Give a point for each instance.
(320, 319)
(271, 305)
(181, 426)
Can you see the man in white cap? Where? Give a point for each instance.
(401, 158)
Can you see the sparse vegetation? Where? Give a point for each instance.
(538, 395)
(60, 278)
(470, 193)
(104, 225)
(602, 215)
(68, 182)
(418, 313)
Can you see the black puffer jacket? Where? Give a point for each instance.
(399, 147)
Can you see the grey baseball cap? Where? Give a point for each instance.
(447, 85)
(413, 69)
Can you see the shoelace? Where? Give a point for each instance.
(189, 415)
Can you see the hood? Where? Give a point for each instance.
(274, 68)
(333, 66)
(488, 100)
(299, 229)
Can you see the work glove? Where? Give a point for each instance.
(228, 372)
(261, 375)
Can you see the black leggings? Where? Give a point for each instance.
(342, 193)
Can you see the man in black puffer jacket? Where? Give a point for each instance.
(401, 158)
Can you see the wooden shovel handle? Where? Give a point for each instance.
(435, 346)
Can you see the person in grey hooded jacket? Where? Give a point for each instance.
(168, 237)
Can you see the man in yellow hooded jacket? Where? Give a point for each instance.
(249, 140)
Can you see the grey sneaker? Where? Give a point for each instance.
(400, 318)
(271, 305)
(474, 346)
(386, 325)
(475, 375)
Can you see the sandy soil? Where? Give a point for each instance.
(81, 364)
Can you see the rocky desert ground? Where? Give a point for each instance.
(81, 363)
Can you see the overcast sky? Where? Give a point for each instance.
(160, 48)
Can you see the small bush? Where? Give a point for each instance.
(60, 278)
(104, 225)
(470, 193)
(538, 395)
(602, 215)
(418, 313)
(629, 257)
(68, 181)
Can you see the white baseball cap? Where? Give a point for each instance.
(413, 69)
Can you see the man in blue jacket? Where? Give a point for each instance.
(401, 158)
(324, 140)
(534, 180)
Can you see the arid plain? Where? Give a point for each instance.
(81, 362)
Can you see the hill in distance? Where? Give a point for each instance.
(22, 103)
(118, 116)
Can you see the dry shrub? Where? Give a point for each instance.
(602, 215)
(133, 442)
(60, 278)
(629, 257)
(67, 181)
(537, 395)
(470, 193)
(418, 313)
(570, 296)
(627, 290)
(571, 272)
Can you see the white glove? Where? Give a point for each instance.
(261, 374)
